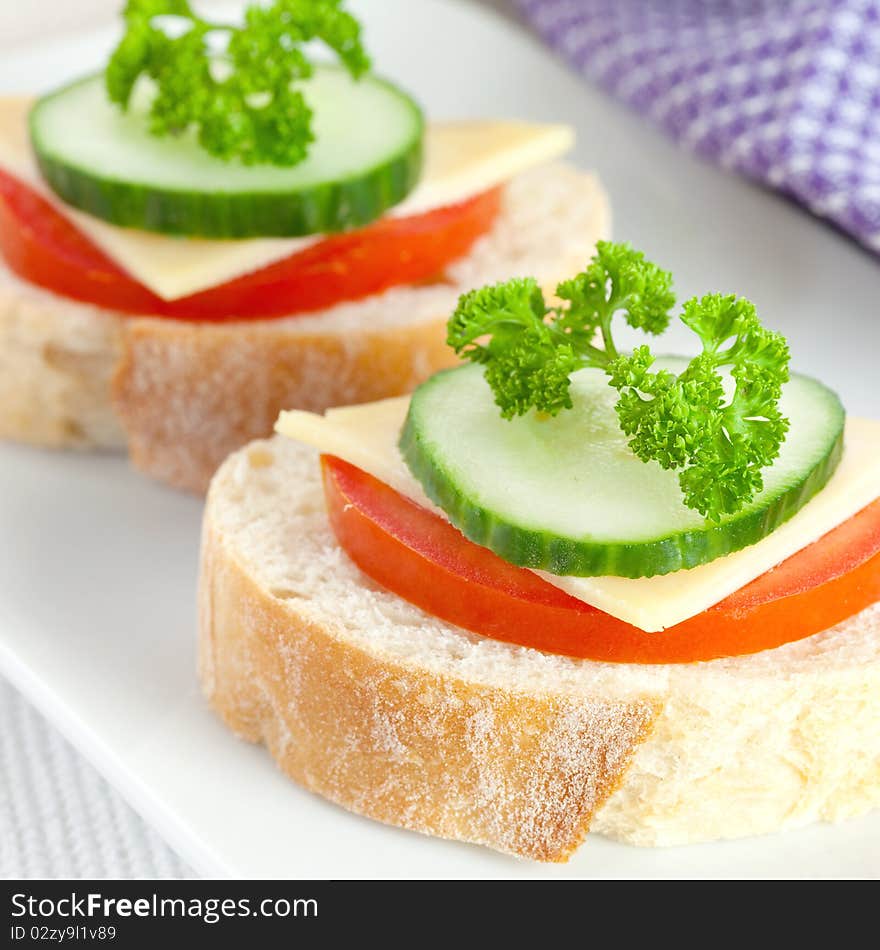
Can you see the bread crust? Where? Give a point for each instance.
(521, 772)
(183, 395)
(188, 396)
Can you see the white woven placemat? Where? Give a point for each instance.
(58, 817)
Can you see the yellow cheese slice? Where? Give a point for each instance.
(465, 158)
(462, 159)
(366, 436)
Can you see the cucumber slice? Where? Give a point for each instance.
(366, 157)
(568, 496)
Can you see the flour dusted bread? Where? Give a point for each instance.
(184, 395)
(394, 714)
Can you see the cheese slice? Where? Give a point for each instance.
(462, 159)
(366, 436)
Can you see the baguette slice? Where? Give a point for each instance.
(396, 715)
(183, 395)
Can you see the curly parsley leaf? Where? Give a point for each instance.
(719, 441)
(618, 279)
(531, 349)
(233, 85)
(528, 361)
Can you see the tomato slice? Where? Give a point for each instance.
(422, 558)
(45, 248)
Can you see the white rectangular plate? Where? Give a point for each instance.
(98, 565)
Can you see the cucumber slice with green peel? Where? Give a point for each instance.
(567, 495)
(366, 158)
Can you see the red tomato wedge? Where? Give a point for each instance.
(45, 248)
(419, 556)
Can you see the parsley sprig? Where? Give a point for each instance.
(234, 85)
(719, 443)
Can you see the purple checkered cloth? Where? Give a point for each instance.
(786, 92)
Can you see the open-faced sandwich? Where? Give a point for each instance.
(562, 588)
(217, 228)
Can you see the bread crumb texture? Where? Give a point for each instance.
(57, 358)
(394, 714)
